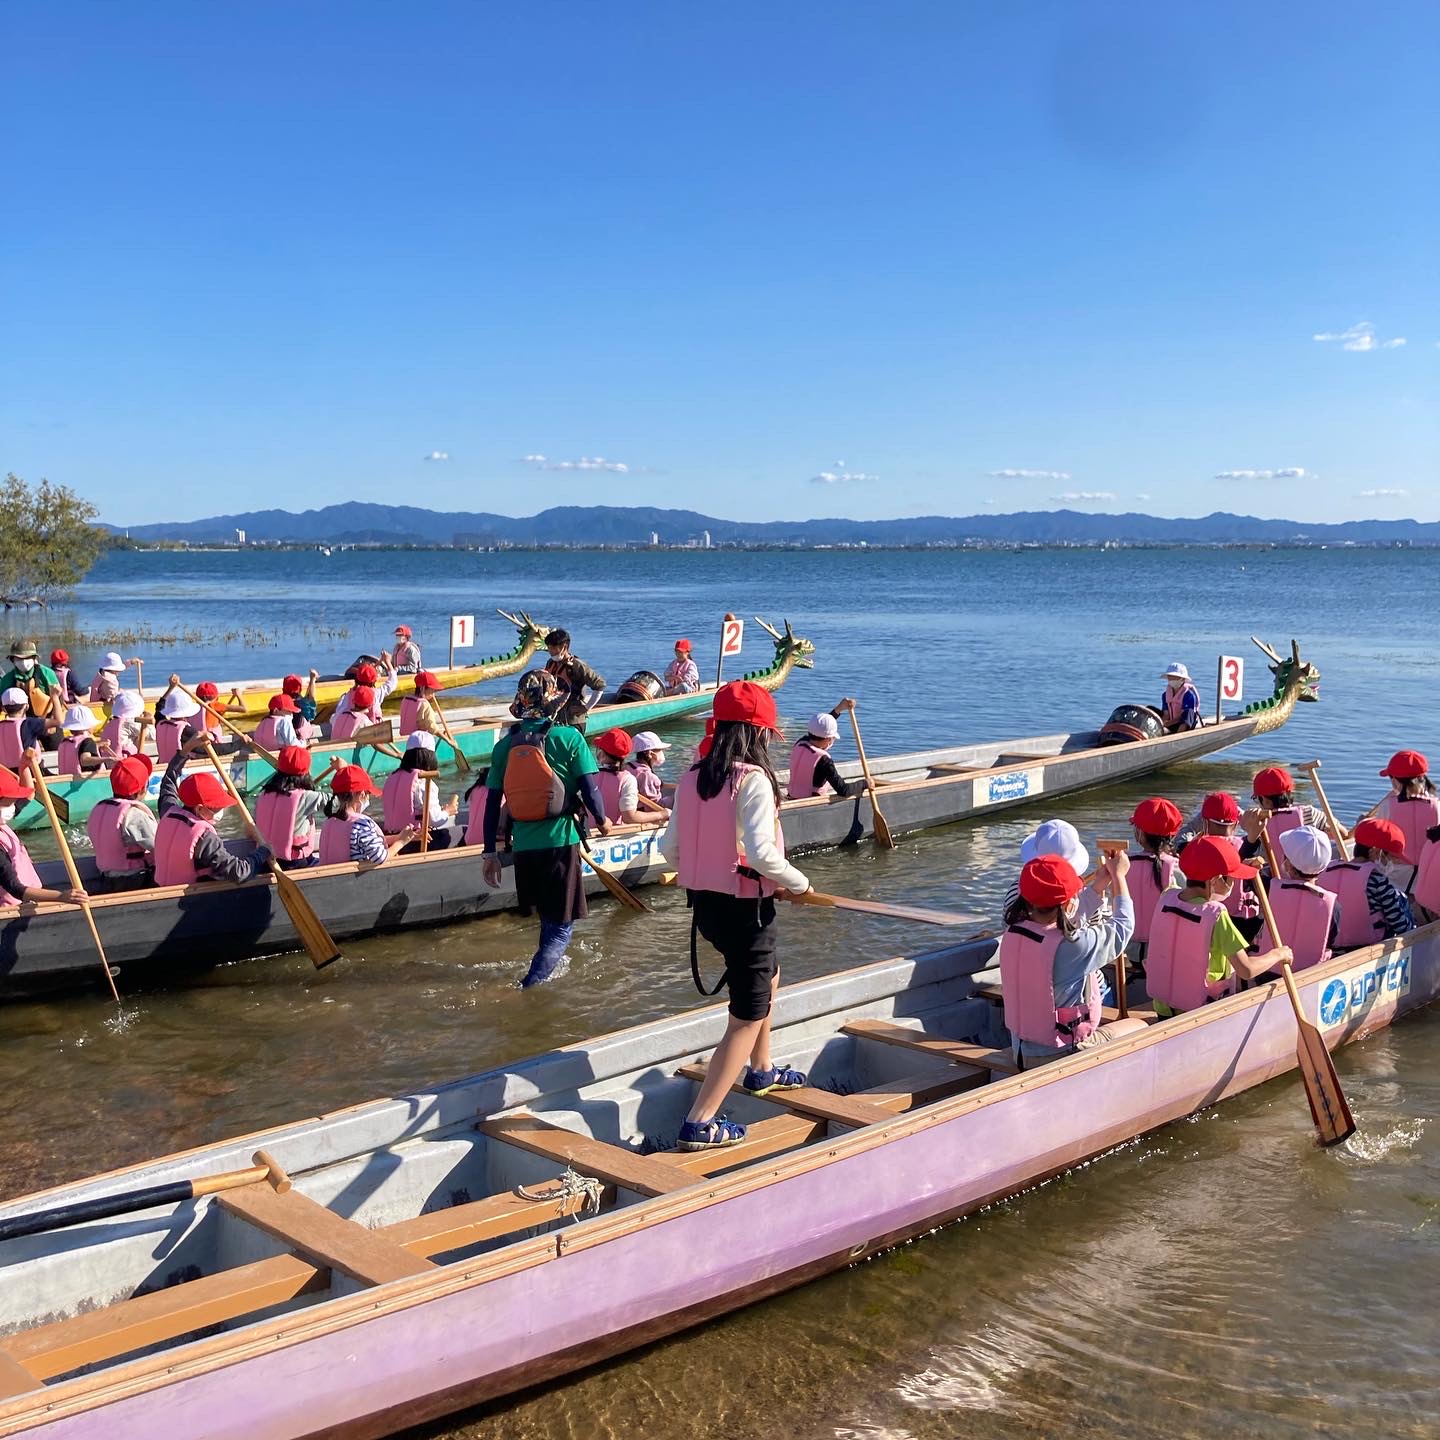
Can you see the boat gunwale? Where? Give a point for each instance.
(88, 1392)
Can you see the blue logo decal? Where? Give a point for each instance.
(1334, 1000)
(1009, 787)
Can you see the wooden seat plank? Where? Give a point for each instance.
(613, 1163)
(946, 767)
(1020, 759)
(457, 1226)
(890, 1033)
(991, 991)
(808, 1100)
(15, 1379)
(322, 1235)
(763, 1138)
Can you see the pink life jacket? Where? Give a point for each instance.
(1174, 708)
(803, 760)
(1027, 982)
(342, 727)
(1145, 891)
(397, 802)
(25, 871)
(12, 752)
(265, 732)
(62, 675)
(113, 735)
(275, 816)
(114, 854)
(1425, 890)
(647, 781)
(67, 757)
(1348, 880)
(1414, 817)
(409, 713)
(1279, 821)
(1178, 959)
(167, 739)
(609, 783)
(335, 839)
(710, 851)
(176, 837)
(1303, 913)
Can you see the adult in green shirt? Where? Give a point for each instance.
(548, 881)
(38, 681)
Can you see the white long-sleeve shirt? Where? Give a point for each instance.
(754, 831)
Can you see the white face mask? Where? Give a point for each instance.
(7, 814)
(24, 666)
(363, 806)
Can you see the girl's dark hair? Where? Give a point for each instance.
(1158, 844)
(1281, 802)
(481, 776)
(336, 805)
(557, 637)
(735, 743)
(279, 784)
(1019, 910)
(420, 758)
(1417, 787)
(1363, 852)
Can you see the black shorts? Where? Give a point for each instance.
(548, 883)
(743, 931)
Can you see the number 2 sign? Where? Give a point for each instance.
(732, 632)
(1231, 683)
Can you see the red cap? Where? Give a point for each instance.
(1273, 780)
(747, 702)
(11, 788)
(615, 742)
(59, 657)
(1157, 817)
(1380, 835)
(1407, 765)
(1048, 882)
(366, 674)
(207, 690)
(1220, 807)
(427, 678)
(292, 684)
(683, 645)
(362, 697)
(1212, 856)
(204, 789)
(293, 760)
(128, 777)
(403, 630)
(353, 780)
(282, 704)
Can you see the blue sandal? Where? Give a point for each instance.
(709, 1134)
(762, 1082)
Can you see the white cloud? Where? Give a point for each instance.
(1087, 496)
(1360, 337)
(437, 455)
(1287, 472)
(1384, 493)
(1143, 495)
(532, 459)
(1029, 474)
(840, 477)
(585, 462)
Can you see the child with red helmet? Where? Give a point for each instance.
(1372, 908)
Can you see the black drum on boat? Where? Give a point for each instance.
(1131, 722)
(642, 685)
(357, 662)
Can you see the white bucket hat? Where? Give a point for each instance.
(420, 740)
(112, 662)
(1176, 672)
(824, 726)
(14, 696)
(179, 706)
(80, 717)
(646, 740)
(1056, 837)
(1309, 850)
(126, 703)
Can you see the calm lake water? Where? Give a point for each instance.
(1220, 1277)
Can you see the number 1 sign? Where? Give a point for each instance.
(1230, 684)
(462, 634)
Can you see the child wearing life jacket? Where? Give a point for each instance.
(349, 834)
(1050, 963)
(1180, 701)
(1275, 811)
(1307, 915)
(303, 694)
(1193, 941)
(1425, 888)
(1060, 838)
(682, 675)
(208, 693)
(122, 827)
(406, 658)
(725, 842)
(19, 880)
(620, 790)
(287, 807)
(120, 735)
(1156, 822)
(1372, 908)
(277, 729)
(70, 693)
(811, 768)
(1412, 803)
(106, 684)
(647, 755)
(403, 798)
(1219, 815)
(187, 847)
(21, 731)
(421, 711)
(79, 750)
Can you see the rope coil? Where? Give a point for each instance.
(571, 1185)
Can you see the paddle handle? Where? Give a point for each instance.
(1263, 895)
(860, 751)
(1312, 769)
(229, 784)
(461, 759)
(425, 817)
(268, 756)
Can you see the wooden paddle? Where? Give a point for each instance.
(1312, 768)
(622, 892)
(922, 914)
(70, 870)
(882, 830)
(59, 1217)
(268, 756)
(425, 817)
(1122, 1002)
(1333, 1121)
(308, 926)
(59, 802)
(461, 759)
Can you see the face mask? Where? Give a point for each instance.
(363, 806)
(7, 814)
(24, 666)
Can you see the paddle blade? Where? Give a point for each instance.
(621, 891)
(1333, 1121)
(380, 733)
(882, 826)
(62, 807)
(317, 940)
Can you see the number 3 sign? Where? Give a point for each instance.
(1230, 684)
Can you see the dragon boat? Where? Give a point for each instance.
(366, 1271)
(476, 728)
(168, 935)
(255, 694)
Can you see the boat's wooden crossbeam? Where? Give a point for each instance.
(990, 990)
(614, 1164)
(849, 1110)
(888, 1032)
(15, 1378)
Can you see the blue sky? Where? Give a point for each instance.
(969, 256)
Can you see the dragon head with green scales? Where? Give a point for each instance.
(1295, 680)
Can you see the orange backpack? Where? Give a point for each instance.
(532, 789)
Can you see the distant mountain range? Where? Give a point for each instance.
(361, 523)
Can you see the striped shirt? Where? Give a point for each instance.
(1388, 905)
(367, 841)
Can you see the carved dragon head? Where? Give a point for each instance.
(1292, 672)
(531, 633)
(789, 646)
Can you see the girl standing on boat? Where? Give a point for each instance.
(725, 843)
(1180, 704)
(1050, 963)
(19, 880)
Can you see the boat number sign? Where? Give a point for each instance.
(462, 632)
(732, 635)
(1349, 997)
(996, 789)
